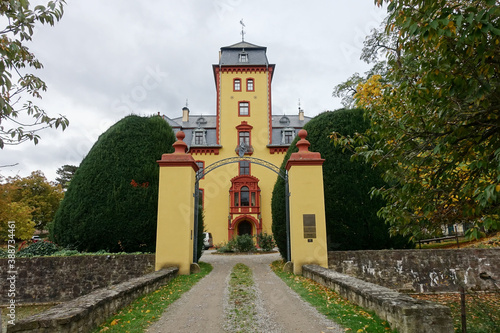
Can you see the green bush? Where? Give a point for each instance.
(228, 247)
(3, 253)
(265, 242)
(38, 249)
(244, 243)
(351, 213)
(111, 203)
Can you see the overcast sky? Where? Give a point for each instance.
(107, 59)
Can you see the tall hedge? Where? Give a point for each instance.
(111, 202)
(351, 214)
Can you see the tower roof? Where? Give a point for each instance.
(243, 54)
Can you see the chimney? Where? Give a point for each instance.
(185, 114)
(301, 114)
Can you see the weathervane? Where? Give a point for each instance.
(186, 102)
(242, 30)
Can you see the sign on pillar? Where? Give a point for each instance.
(307, 207)
(175, 225)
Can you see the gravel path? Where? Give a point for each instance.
(202, 309)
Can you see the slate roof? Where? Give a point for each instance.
(209, 123)
(230, 55)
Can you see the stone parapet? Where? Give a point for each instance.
(406, 314)
(432, 270)
(85, 313)
(59, 279)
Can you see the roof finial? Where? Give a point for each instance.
(186, 102)
(242, 30)
(299, 105)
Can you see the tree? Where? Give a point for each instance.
(21, 119)
(351, 214)
(65, 173)
(111, 203)
(10, 210)
(434, 115)
(42, 196)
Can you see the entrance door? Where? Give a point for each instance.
(244, 228)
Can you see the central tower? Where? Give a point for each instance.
(243, 81)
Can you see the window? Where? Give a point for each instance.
(201, 165)
(288, 137)
(244, 108)
(244, 137)
(245, 196)
(250, 85)
(198, 138)
(237, 85)
(243, 57)
(244, 168)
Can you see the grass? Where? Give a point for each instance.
(23, 311)
(242, 312)
(482, 310)
(145, 310)
(329, 303)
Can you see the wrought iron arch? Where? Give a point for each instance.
(203, 172)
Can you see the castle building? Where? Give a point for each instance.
(237, 197)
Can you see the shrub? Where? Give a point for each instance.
(351, 214)
(228, 247)
(3, 253)
(244, 243)
(41, 248)
(265, 241)
(111, 203)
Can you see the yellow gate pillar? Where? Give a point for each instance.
(307, 207)
(175, 225)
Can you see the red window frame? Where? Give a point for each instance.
(253, 84)
(236, 80)
(248, 108)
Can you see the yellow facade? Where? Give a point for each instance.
(242, 77)
(175, 224)
(307, 250)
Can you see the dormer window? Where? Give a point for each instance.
(199, 137)
(243, 57)
(287, 136)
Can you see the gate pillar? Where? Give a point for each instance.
(175, 224)
(307, 207)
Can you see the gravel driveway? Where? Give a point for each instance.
(202, 309)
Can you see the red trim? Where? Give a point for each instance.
(253, 84)
(278, 150)
(269, 79)
(244, 126)
(206, 151)
(244, 69)
(203, 167)
(233, 225)
(239, 109)
(234, 84)
(217, 88)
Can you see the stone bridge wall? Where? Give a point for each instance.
(59, 279)
(421, 270)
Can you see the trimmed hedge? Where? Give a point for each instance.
(351, 214)
(111, 202)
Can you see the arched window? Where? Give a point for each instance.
(245, 196)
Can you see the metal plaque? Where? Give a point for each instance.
(309, 225)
